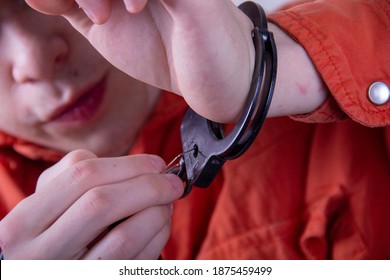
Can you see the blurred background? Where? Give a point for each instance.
(268, 5)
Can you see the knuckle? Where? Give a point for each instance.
(81, 171)
(43, 177)
(78, 155)
(123, 243)
(10, 239)
(6, 237)
(94, 202)
(75, 162)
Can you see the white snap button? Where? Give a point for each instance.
(379, 93)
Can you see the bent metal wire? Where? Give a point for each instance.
(205, 147)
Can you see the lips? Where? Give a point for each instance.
(84, 108)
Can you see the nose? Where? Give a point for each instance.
(38, 57)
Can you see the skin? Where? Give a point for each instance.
(45, 65)
(187, 42)
(181, 46)
(45, 57)
(78, 211)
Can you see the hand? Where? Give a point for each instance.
(90, 208)
(201, 50)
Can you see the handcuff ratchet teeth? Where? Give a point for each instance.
(204, 140)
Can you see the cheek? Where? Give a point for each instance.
(9, 122)
(8, 113)
(12, 117)
(10, 107)
(15, 112)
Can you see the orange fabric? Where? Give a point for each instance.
(302, 191)
(349, 44)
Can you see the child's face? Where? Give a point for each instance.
(57, 91)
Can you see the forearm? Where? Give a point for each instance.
(346, 52)
(299, 88)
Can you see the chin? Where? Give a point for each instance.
(112, 150)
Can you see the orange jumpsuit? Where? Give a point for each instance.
(317, 188)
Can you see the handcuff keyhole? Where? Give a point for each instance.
(196, 151)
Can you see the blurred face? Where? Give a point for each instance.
(57, 91)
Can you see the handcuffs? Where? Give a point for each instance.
(206, 148)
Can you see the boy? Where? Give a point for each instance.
(290, 208)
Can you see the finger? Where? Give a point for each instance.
(67, 161)
(101, 207)
(69, 9)
(156, 245)
(81, 170)
(135, 6)
(129, 239)
(66, 188)
(98, 11)
(51, 7)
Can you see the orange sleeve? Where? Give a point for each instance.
(349, 43)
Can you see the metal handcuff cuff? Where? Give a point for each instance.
(205, 147)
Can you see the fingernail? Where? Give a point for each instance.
(176, 182)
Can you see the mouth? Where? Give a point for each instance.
(83, 108)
